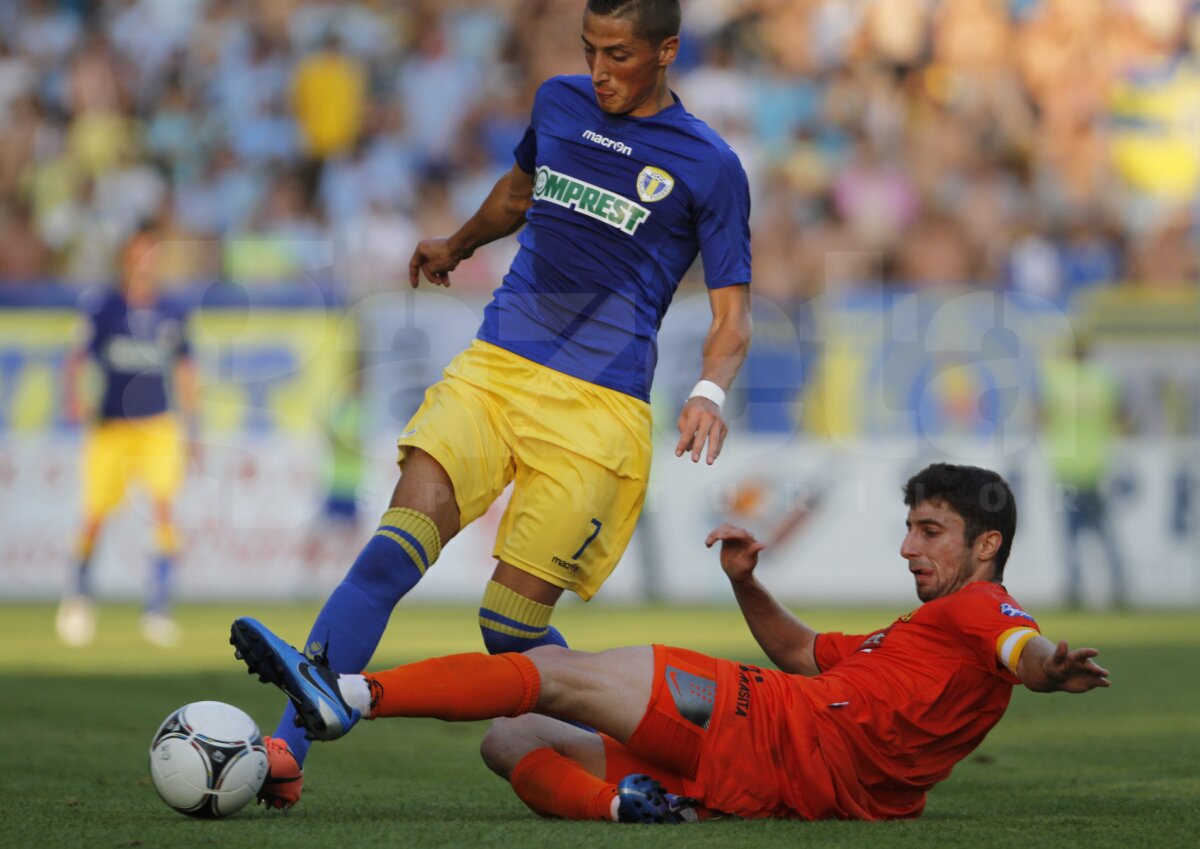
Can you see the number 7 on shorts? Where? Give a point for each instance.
(587, 541)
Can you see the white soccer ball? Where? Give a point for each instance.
(208, 760)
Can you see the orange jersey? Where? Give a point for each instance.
(912, 700)
(865, 739)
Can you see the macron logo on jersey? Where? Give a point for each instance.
(592, 201)
(605, 141)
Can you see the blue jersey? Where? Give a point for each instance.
(135, 348)
(621, 207)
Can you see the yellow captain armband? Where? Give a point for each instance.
(1010, 644)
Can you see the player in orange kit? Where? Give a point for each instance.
(848, 727)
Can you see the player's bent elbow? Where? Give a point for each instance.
(800, 666)
(515, 209)
(800, 660)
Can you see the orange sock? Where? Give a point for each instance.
(553, 785)
(457, 687)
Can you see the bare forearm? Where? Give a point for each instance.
(73, 397)
(502, 213)
(786, 640)
(187, 392)
(1031, 666)
(726, 346)
(1047, 668)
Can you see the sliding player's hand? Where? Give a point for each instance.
(739, 551)
(701, 422)
(1075, 671)
(435, 259)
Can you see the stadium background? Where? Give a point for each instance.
(945, 195)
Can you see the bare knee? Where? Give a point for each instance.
(509, 740)
(425, 486)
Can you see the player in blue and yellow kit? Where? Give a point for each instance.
(136, 342)
(618, 189)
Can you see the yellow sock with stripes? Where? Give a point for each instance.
(510, 622)
(351, 623)
(414, 532)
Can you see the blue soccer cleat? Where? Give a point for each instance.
(309, 683)
(643, 800)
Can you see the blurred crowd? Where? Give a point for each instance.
(1045, 146)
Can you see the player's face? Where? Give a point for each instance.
(627, 72)
(139, 272)
(938, 555)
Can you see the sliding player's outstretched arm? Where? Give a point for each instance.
(502, 213)
(786, 640)
(1046, 668)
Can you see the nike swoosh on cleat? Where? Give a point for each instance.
(318, 683)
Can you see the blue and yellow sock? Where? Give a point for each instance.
(351, 623)
(166, 543)
(510, 622)
(158, 600)
(82, 583)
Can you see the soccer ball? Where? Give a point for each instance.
(208, 760)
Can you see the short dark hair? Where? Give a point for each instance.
(980, 496)
(653, 20)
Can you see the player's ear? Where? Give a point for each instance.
(987, 544)
(668, 50)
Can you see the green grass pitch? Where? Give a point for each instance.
(1111, 768)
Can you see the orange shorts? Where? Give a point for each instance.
(668, 741)
(738, 738)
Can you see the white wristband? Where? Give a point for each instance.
(708, 389)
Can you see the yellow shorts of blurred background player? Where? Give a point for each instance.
(149, 451)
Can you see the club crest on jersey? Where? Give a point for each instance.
(654, 184)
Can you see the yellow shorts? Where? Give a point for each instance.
(579, 454)
(116, 453)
